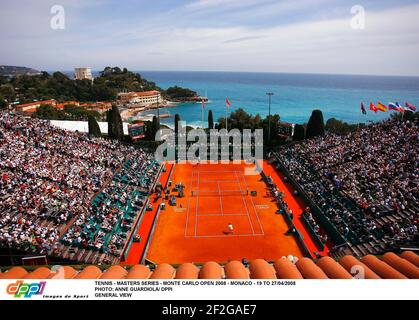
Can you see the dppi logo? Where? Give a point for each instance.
(26, 290)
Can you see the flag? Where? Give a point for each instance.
(401, 108)
(364, 111)
(393, 106)
(373, 107)
(410, 106)
(381, 107)
(228, 104)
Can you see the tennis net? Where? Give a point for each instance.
(223, 193)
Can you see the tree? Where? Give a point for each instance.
(178, 93)
(274, 128)
(339, 127)
(115, 126)
(149, 131)
(155, 127)
(8, 92)
(177, 120)
(94, 128)
(48, 112)
(299, 132)
(210, 120)
(315, 126)
(3, 103)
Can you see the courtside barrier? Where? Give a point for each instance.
(315, 236)
(298, 236)
(150, 236)
(134, 231)
(140, 217)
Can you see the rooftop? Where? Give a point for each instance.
(390, 266)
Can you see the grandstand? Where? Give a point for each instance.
(363, 187)
(323, 204)
(67, 195)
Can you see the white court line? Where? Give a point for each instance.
(215, 181)
(221, 200)
(237, 179)
(229, 236)
(225, 215)
(189, 207)
(218, 172)
(196, 209)
(254, 208)
(245, 205)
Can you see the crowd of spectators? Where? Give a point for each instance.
(314, 226)
(112, 213)
(49, 177)
(357, 179)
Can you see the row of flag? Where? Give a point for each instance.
(392, 106)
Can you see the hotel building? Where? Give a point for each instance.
(140, 98)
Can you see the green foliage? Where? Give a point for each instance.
(299, 133)
(117, 79)
(210, 120)
(70, 112)
(3, 103)
(7, 91)
(155, 127)
(60, 87)
(407, 116)
(94, 128)
(315, 126)
(274, 127)
(242, 120)
(115, 125)
(178, 93)
(339, 127)
(48, 112)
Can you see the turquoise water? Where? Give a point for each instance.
(296, 95)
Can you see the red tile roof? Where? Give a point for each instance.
(390, 266)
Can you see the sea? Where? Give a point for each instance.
(295, 95)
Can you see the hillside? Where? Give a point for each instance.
(60, 87)
(13, 71)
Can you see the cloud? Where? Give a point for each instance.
(242, 39)
(206, 4)
(241, 36)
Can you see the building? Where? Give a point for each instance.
(83, 73)
(32, 107)
(140, 98)
(97, 106)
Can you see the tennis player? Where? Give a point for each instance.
(230, 228)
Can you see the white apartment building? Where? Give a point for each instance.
(83, 73)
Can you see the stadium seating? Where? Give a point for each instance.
(364, 185)
(67, 194)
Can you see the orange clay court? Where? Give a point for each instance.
(216, 195)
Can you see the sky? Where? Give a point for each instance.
(298, 36)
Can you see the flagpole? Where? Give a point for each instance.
(226, 118)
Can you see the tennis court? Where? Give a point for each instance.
(216, 195)
(217, 199)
